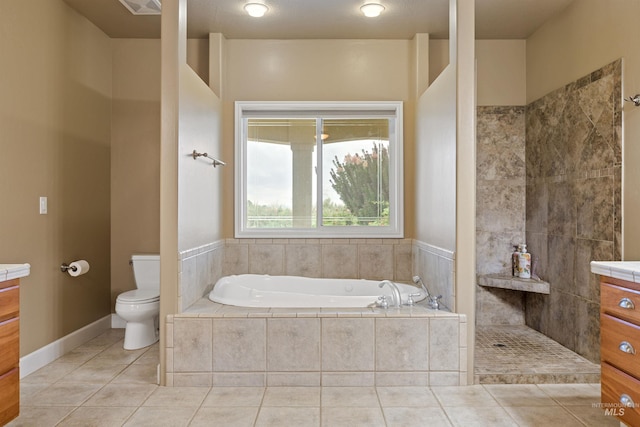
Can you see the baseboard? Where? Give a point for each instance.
(50, 352)
(117, 322)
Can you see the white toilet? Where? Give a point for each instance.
(140, 308)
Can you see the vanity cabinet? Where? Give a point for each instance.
(9, 350)
(620, 348)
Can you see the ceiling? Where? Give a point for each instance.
(326, 19)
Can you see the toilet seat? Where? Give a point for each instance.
(138, 296)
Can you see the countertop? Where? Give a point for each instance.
(624, 270)
(13, 271)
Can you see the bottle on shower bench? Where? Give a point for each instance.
(524, 263)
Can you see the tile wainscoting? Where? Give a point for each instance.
(217, 345)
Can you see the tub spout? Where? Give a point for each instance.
(397, 299)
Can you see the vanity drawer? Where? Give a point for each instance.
(9, 345)
(620, 344)
(9, 302)
(9, 396)
(620, 302)
(618, 388)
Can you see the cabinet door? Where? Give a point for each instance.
(9, 396)
(9, 345)
(620, 302)
(621, 395)
(9, 302)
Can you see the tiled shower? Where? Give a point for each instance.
(549, 174)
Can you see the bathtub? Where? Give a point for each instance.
(254, 290)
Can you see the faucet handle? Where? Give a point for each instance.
(382, 302)
(434, 302)
(410, 300)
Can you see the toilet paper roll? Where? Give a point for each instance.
(78, 268)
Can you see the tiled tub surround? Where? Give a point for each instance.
(574, 158)
(436, 267)
(217, 345)
(500, 211)
(374, 259)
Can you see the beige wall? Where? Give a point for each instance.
(135, 157)
(586, 36)
(501, 67)
(55, 115)
(318, 70)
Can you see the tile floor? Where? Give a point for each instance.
(517, 354)
(100, 384)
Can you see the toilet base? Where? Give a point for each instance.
(141, 334)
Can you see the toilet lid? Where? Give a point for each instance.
(139, 296)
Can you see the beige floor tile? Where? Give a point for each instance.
(278, 416)
(593, 416)
(86, 416)
(29, 389)
(415, 417)
(148, 416)
(406, 396)
(94, 373)
(78, 355)
(121, 395)
(40, 416)
(50, 373)
(117, 355)
(468, 416)
(177, 397)
(470, 396)
(138, 374)
(572, 394)
(350, 396)
(292, 396)
(519, 395)
(534, 416)
(149, 357)
(62, 394)
(352, 417)
(234, 396)
(225, 417)
(104, 340)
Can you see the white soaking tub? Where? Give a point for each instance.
(253, 290)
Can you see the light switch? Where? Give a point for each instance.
(43, 205)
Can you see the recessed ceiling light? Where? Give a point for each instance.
(371, 10)
(256, 10)
(143, 7)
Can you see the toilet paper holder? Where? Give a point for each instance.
(64, 267)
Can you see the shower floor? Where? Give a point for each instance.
(506, 354)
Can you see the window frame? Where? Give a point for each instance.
(279, 109)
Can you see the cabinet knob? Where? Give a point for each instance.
(626, 400)
(626, 347)
(626, 303)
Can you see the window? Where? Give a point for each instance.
(318, 169)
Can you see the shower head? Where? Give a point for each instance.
(418, 281)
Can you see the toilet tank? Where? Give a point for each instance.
(146, 271)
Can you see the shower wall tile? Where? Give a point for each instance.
(499, 306)
(500, 208)
(573, 158)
